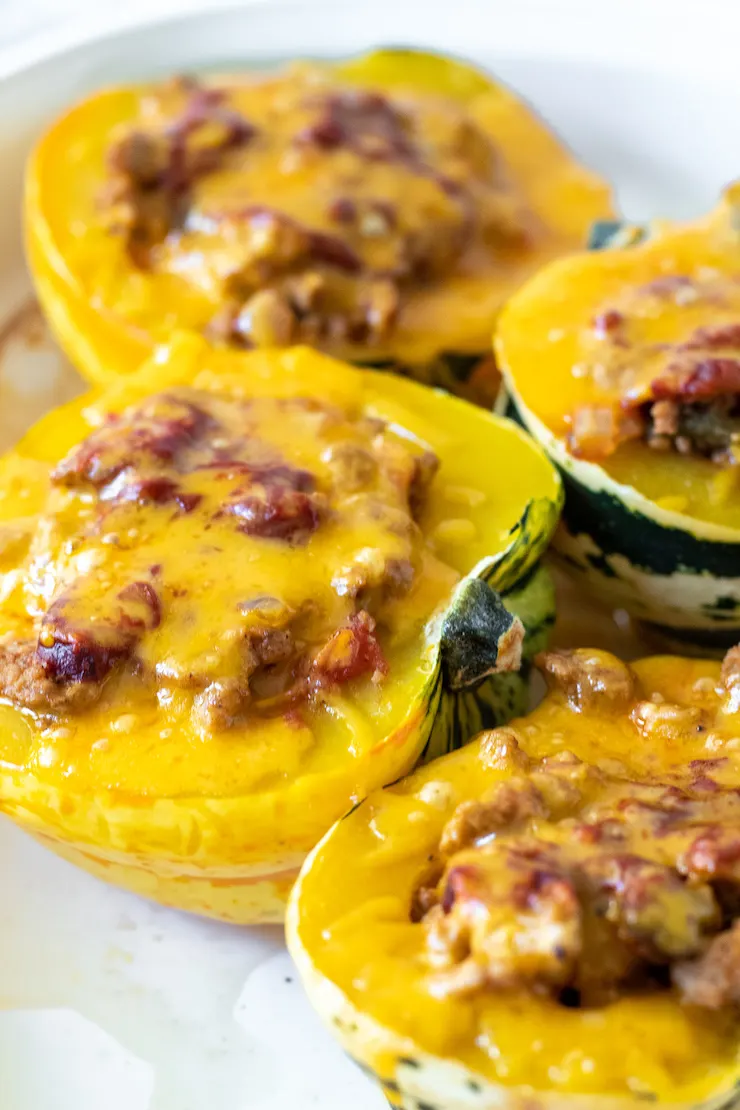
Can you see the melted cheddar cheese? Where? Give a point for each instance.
(641, 350)
(216, 587)
(368, 210)
(441, 907)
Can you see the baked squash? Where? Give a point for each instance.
(240, 590)
(624, 364)
(547, 918)
(380, 209)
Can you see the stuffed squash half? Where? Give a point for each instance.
(241, 590)
(381, 209)
(625, 364)
(547, 918)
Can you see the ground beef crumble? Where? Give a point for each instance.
(195, 455)
(692, 404)
(579, 883)
(188, 192)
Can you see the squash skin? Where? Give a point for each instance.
(680, 580)
(409, 1073)
(676, 574)
(235, 857)
(103, 344)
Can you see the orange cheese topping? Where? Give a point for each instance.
(210, 569)
(370, 208)
(518, 906)
(631, 356)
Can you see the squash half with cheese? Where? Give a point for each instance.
(380, 209)
(239, 591)
(548, 918)
(624, 363)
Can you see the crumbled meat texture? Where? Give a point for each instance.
(425, 468)
(297, 305)
(269, 646)
(709, 429)
(577, 882)
(713, 855)
(151, 174)
(351, 465)
(185, 450)
(665, 419)
(475, 940)
(275, 245)
(501, 750)
(712, 981)
(694, 405)
(221, 705)
(24, 681)
(277, 278)
(590, 680)
(550, 791)
(472, 822)
(657, 914)
(522, 912)
(269, 661)
(704, 380)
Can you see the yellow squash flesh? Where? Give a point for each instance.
(362, 958)
(555, 361)
(656, 532)
(107, 314)
(219, 824)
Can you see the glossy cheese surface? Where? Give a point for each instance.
(190, 526)
(676, 730)
(381, 209)
(594, 341)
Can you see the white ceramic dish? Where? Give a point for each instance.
(107, 1002)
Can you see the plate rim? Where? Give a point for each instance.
(584, 29)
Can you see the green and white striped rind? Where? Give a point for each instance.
(527, 591)
(456, 716)
(673, 572)
(415, 1080)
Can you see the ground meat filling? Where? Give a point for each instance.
(210, 468)
(697, 406)
(693, 402)
(151, 174)
(571, 881)
(381, 197)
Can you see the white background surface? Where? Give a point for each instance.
(107, 1002)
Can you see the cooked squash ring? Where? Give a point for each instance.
(439, 939)
(216, 818)
(598, 340)
(405, 207)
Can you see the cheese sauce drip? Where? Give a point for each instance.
(228, 567)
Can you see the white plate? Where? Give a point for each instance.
(108, 1002)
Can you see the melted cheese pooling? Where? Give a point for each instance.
(214, 587)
